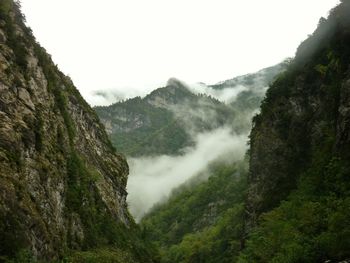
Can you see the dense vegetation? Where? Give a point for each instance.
(291, 205)
(160, 123)
(201, 222)
(311, 225)
(306, 221)
(295, 203)
(156, 124)
(165, 120)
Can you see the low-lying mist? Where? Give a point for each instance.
(153, 178)
(107, 97)
(226, 95)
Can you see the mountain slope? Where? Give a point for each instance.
(299, 185)
(201, 222)
(165, 120)
(62, 186)
(252, 81)
(305, 112)
(296, 202)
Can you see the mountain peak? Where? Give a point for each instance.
(176, 83)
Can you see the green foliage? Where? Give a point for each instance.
(218, 243)
(5, 7)
(14, 40)
(14, 156)
(100, 228)
(22, 256)
(39, 131)
(61, 102)
(321, 69)
(12, 241)
(158, 133)
(201, 222)
(82, 198)
(106, 255)
(308, 205)
(312, 225)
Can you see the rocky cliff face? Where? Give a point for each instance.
(62, 185)
(304, 120)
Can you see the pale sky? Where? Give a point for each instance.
(133, 46)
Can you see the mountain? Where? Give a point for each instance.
(201, 222)
(164, 121)
(299, 187)
(293, 202)
(253, 81)
(62, 185)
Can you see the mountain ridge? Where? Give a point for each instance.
(295, 203)
(62, 182)
(175, 112)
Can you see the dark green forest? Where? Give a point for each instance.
(288, 201)
(292, 204)
(164, 121)
(201, 222)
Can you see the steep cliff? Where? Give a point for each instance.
(299, 185)
(305, 114)
(62, 185)
(295, 206)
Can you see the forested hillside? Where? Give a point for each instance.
(299, 185)
(161, 122)
(295, 197)
(166, 120)
(63, 183)
(201, 222)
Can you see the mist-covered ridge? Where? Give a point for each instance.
(176, 131)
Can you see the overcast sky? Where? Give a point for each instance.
(132, 46)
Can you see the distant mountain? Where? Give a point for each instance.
(255, 81)
(164, 121)
(161, 122)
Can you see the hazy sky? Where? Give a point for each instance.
(133, 46)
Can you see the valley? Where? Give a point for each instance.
(251, 169)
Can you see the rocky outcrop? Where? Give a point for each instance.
(62, 185)
(304, 118)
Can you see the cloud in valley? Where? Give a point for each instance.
(226, 95)
(152, 179)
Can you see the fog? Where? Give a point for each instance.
(226, 95)
(152, 179)
(109, 96)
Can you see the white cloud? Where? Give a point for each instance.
(152, 179)
(226, 95)
(141, 44)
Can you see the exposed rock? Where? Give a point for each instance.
(23, 95)
(2, 37)
(306, 111)
(60, 177)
